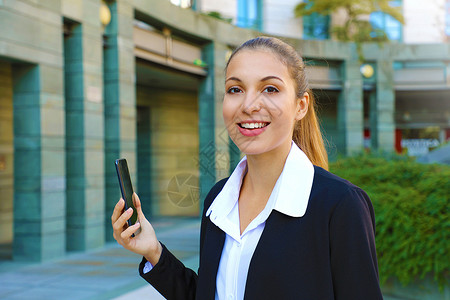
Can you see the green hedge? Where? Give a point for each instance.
(411, 203)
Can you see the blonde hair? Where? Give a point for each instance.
(307, 135)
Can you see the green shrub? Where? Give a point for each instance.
(411, 203)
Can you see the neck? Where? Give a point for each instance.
(264, 169)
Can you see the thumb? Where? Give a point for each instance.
(137, 204)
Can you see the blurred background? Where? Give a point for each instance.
(84, 82)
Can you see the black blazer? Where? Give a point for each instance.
(329, 253)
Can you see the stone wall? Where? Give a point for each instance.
(6, 154)
(174, 140)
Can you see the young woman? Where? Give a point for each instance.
(281, 226)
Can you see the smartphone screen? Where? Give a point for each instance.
(126, 188)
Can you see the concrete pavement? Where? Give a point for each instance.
(107, 273)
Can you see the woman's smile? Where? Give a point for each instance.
(252, 128)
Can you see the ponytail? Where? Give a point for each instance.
(308, 137)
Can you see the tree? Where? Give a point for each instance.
(357, 27)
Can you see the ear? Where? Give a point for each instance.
(302, 106)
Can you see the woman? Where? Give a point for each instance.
(281, 226)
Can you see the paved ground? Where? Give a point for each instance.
(107, 273)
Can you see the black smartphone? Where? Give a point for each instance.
(126, 188)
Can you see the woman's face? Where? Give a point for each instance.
(260, 105)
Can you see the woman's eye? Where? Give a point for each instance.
(270, 89)
(233, 90)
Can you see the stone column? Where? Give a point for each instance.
(119, 101)
(206, 130)
(85, 131)
(222, 139)
(93, 127)
(383, 108)
(39, 163)
(350, 118)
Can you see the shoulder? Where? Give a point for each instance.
(337, 191)
(213, 192)
(329, 182)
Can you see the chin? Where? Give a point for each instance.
(254, 148)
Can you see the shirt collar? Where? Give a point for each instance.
(291, 191)
(226, 199)
(295, 184)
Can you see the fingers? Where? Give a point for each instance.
(121, 221)
(136, 201)
(117, 210)
(137, 204)
(127, 233)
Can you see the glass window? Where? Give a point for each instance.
(249, 14)
(391, 26)
(316, 27)
(182, 3)
(447, 19)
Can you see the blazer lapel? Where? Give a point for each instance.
(209, 261)
(259, 259)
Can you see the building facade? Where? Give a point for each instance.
(419, 125)
(424, 22)
(147, 85)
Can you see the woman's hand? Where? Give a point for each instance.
(145, 243)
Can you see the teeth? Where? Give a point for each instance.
(253, 125)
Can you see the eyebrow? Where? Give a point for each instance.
(264, 79)
(272, 77)
(233, 78)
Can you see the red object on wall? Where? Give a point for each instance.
(398, 140)
(447, 134)
(367, 141)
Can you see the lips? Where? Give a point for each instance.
(252, 128)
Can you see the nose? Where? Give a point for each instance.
(252, 103)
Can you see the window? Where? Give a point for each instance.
(316, 27)
(391, 26)
(249, 14)
(447, 19)
(182, 3)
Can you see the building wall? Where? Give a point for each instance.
(424, 21)
(227, 8)
(174, 149)
(277, 16)
(327, 108)
(279, 19)
(6, 154)
(34, 42)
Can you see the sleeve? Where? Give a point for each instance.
(169, 276)
(352, 248)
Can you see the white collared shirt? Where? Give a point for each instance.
(289, 196)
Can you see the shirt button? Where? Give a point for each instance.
(230, 296)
